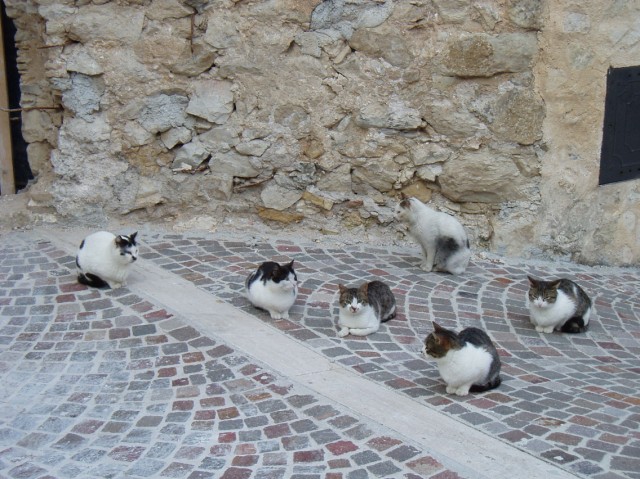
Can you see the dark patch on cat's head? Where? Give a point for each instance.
(547, 290)
(272, 271)
(127, 245)
(348, 294)
(405, 201)
(440, 342)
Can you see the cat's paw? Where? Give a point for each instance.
(451, 390)
(463, 391)
(343, 332)
(542, 329)
(276, 315)
(116, 285)
(426, 267)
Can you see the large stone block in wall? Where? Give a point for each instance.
(107, 22)
(483, 55)
(383, 44)
(485, 176)
(212, 100)
(518, 117)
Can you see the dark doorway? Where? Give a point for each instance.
(21, 170)
(620, 155)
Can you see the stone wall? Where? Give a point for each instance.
(198, 112)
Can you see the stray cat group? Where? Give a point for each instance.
(467, 361)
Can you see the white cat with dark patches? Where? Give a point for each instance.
(273, 287)
(559, 304)
(442, 238)
(361, 310)
(467, 361)
(104, 259)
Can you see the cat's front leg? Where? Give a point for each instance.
(451, 389)
(429, 256)
(277, 314)
(363, 331)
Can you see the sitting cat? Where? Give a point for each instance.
(104, 259)
(443, 239)
(273, 287)
(467, 361)
(559, 304)
(363, 309)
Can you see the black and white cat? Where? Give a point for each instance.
(468, 361)
(443, 239)
(559, 304)
(273, 287)
(104, 259)
(361, 310)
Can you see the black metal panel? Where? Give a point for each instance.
(620, 155)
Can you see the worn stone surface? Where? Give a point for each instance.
(376, 94)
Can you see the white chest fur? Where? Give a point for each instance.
(464, 367)
(277, 298)
(551, 315)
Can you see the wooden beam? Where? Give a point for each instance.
(7, 181)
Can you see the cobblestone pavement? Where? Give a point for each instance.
(107, 384)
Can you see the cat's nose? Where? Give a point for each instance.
(133, 258)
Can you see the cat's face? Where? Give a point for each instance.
(283, 276)
(353, 299)
(439, 343)
(543, 294)
(127, 247)
(404, 210)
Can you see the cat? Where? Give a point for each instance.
(560, 304)
(361, 310)
(468, 361)
(273, 287)
(104, 259)
(443, 239)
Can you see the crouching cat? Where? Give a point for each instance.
(442, 238)
(104, 259)
(361, 310)
(467, 361)
(559, 304)
(273, 287)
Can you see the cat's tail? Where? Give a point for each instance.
(89, 279)
(574, 326)
(478, 388)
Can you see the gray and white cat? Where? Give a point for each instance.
(273, 287)
(104, 259)
(443, 239)
(560, 304)
(361, 310)
(467, 361)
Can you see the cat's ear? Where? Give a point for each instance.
(120, 241)
(555, 284)
(291, 264)
(364, 289)
(437, 328)
(132, 237)
(342, 288)
(532, 282)
(403, 196)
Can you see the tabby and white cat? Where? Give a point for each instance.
(104, 259)
(361, 310)
(560, 304)
(273, 287)
(443, 239)
(468, 361)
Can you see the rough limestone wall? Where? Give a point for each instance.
(319, 113)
